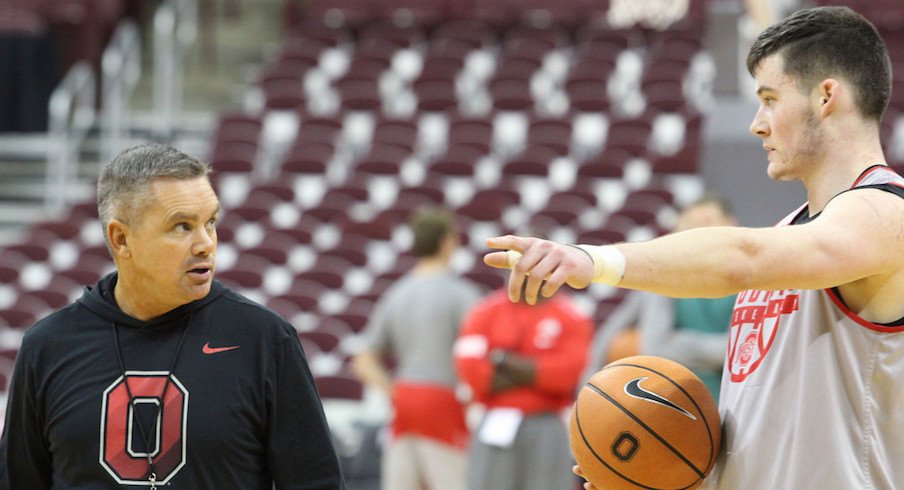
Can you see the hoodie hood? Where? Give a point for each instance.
(100, 300)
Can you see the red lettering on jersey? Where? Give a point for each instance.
(754, 323)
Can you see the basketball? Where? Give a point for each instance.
(645, 422)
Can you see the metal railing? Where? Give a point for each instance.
(72, 106)
(72, 114)
(121, 69)
(175, 30)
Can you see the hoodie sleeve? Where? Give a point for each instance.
(300, 451)
(25, 460)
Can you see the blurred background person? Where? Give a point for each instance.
(522, 364)
(691, 331)
(416, 323)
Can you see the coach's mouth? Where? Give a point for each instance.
(201, 274)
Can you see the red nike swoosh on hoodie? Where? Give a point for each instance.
(207, 349)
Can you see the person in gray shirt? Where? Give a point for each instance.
(416, 323)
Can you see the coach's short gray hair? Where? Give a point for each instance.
(124, 182)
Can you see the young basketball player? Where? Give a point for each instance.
(811, 390)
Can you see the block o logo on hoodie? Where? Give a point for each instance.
(123, 453)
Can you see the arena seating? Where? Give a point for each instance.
(541, 119)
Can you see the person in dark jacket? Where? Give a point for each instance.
(159, 375)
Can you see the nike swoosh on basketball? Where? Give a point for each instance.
(633, 388)
(207, 349)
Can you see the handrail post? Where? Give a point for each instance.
(175, 29)
(121, 67)
(71, 116)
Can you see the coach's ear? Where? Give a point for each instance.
(118, 235)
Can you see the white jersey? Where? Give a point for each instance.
(812, 395)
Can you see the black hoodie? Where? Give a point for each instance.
(241, 409)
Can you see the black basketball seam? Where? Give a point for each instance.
(648, 429)
(600, 459)
(712, 452)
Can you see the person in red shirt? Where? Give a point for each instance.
(523, 364)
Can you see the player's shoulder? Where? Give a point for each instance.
(879, 175)
(877, 182)
(866, 203)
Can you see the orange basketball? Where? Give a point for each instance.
(645, 422)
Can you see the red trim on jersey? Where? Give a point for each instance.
(853, 316)
(869, 171)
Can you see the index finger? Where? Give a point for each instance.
(514, 246)
(508, 242)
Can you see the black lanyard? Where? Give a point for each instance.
(152, 474)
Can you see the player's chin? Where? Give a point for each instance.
(783, 169)
(776, 172)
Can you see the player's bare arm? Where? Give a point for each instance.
(851, 241)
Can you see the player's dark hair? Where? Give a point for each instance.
(430, 227)
(825, 42)
(123, 185)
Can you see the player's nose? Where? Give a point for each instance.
(759, 126)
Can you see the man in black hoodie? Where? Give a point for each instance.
(159, 375)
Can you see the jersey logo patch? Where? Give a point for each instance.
(755, 321)
(633, 389)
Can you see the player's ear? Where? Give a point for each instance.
(828, 93)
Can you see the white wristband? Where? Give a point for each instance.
(608, 263)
